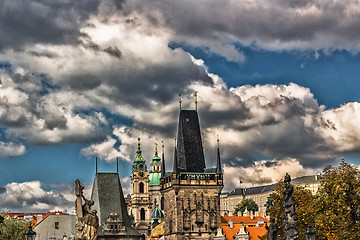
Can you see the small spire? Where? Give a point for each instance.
(117, 165)
(156, 151)
(139, 148)
(196, 101)
(218, 162)
(175, 168)
(180, 101)
(138, 152)
(96, 168)
(163, 161)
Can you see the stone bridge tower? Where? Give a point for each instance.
(191, 191)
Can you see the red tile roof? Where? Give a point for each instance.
(242, 219)
(254, 232)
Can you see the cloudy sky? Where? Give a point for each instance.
(277, 81)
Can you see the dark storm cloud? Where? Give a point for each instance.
(42, 21)
(272, 25)
(30, 111)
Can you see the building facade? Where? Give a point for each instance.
(229, 200)
(141, 205)
(191, 191)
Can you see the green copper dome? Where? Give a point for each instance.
(157, 213)
(154, 179)
(139, 163)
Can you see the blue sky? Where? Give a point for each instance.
(277, 82)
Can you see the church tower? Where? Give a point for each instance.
(140, 198)
(191, 191)
(154, 179)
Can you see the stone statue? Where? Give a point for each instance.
(290, 217)
(273, 230)
(87, 220)
(1, 221)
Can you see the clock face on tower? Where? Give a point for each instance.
(141, 174)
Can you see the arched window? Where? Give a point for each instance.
(142, 214)
(141, 187)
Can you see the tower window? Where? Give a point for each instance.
(162, 203)
(142, 214)
(141, 187)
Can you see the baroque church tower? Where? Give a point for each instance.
(154, 179)
(191, 191)
(141, 205)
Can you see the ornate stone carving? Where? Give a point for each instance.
(87, 220)
(290, 217)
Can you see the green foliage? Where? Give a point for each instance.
(334, 212)
(12, 229)
(338, 203)
(304, 208)
(248, 204)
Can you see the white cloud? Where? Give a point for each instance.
(10, 149)
(31, 196)
(264, 172)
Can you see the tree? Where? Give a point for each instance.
(338, 203)
(248, 204)
(304, 208)
(12, 229)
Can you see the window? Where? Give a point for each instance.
(142, 214)
(141, 187)
(162, 203)
(57, 225)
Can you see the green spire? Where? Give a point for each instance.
(139, 157)
(139, 163)
(156, 158)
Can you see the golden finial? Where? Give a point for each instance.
(156, 148)
(196, 102)
(139, 141)
(217, 140)
(180, 101)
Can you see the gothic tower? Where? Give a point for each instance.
(191, 191)
(154, 179)
(140, 198)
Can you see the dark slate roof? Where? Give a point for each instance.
(107, 195)
(190, 153)
(305, 179)
(268, 188)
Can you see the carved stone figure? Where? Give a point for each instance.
(273, 230)
(87, 220)
(290, 217)
(1, 221)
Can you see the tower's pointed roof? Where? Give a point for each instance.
(163, 162)
(139, 162)
(218, 161)
(108, 196)
(156, 158)
(175, 166)
(139, 157)
(190, 153)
